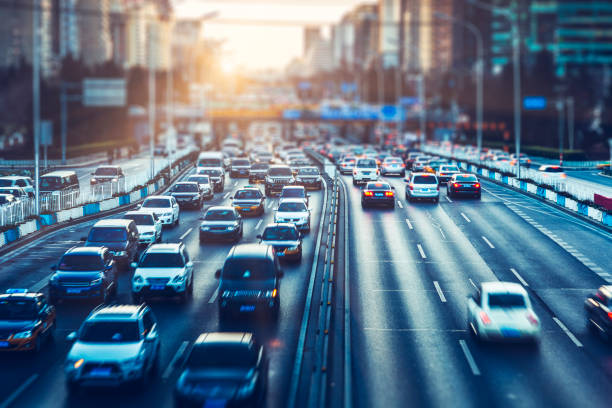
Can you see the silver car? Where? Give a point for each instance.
(422, 186)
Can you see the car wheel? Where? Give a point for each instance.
(363, 205)
(436, 200)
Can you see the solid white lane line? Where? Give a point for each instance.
(179, 353)
(465, 217)
(439, 290)
(488, 242)
(235, 183)
(400, 204)
(409, 223)
(567, 332)
(226, 195)
(11, 398)
(258, 224)
(448, 199)
(519, 277)
(469, 358)
(185, 234)
(421, 251)
(214, 296)
(270, 204)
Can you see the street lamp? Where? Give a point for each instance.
(36, 99)
(516, 62)
(479, 71)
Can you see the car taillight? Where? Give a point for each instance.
(354, 172)
(484, 318)
(388, 193)
(563, 175)
(456, 185)
(411, 187)
(532, 319)
(477, 185)
(368, 193)
(610, 315)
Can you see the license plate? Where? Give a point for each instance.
(247, 308)
(424, 189)
(158, 287)
(510, 333)
(73, 290)
(215, 403)
(4, 344)
(280, 254)
(466, 185)
(366, 173)
(246, 209)
(378, 195)
(100, 372)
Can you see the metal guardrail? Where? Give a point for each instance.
(16, 212)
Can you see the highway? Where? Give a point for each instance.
(38, 380)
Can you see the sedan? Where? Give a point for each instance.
(598, 309)
(378, 194)
(221, 223)
(294, 211)
(463, 184)
(393, 165)
(285, 239)
(446, 171)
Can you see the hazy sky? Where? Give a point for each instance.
(262, 45)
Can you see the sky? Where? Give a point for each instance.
(261, 34)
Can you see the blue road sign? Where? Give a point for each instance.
(534, 103)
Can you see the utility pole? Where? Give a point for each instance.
(561, 130)
(36, 99)
(152, 104)
(570, 121)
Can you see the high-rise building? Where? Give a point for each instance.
(68, 30)
(118, 31)
(343, 43)
(312, 35)
(388, 37)
(94, 31)
(364, 19)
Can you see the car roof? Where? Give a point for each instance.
(293, 200)
(234, 338)
(115, 312)
(280, 224)
(191, 183)
(140, 212)
(108, 167)
(503, 287)
(250, 251)
(279, 166)
(93, 250)
(221, 207)
(15, 178)
(158, 196)
(423, 174)
(293, 188)
(378, 184)
(114, 222)
(60, 173)
(166, 248)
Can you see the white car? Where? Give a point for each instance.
(365, 170)
(205, 184)
(148, 224)
(18, 181)
(393, 165)
(502, 311)
(551, 172)
(163, 270)
(422, 186)
(166, 208)
(293, 211)
(446, 171)
(116, 344)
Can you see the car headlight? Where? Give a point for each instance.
(114, 180)
(195, 197)
(138, 279)
(178, 279)
(120, 253)
(23, 335)
(93, 180)
(205, 228)
(96, 282)
(74, 364)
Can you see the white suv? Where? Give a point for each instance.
(365, 170)
(422, 186)
(116, 344)
(166, 208)
(148, 224)
(163, 270)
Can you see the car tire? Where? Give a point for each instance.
(436, 200)
(177, 221)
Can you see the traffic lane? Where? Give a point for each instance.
(592, 176)
(198, 316)
(400, 326)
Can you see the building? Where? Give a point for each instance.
(94, 31)
(364, 19)
(343, 43)
(312, 35)
(389, 12)
(186, 45)
(118, 31)
(319, 58)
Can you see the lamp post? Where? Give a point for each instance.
(479, 72)
(36, 99)
(152, 104)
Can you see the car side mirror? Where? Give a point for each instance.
(134, 265)
(84, 239)
(258, 236)
(53, 267)
(190, 264)
(218, 273)
(110, 266)
(71, 337)
(139, 206)
(392, 187)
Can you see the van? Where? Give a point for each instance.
(211, 160)
(58, 182)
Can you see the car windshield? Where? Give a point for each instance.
(17, 309)
(220, 215)
(110, 332)
(505, 300)
(156, 203)
(210, 172)
(247, 194)
(293, 193)
(280, 234)
(6, 183)
(200, 179)
(393, 161)
(107, 235)
(240, 162)
(221, 355)
(466, 178)
(140, 219)
(308, 171)
(260, 166)
(106, 171)
(80, 263)
(449, 168)
(209, 163)
(280, 171)
(161, 260)
(424, 180)
(245, 269)
(50, 182)
(185, 188)
(366, 164)
(292, 207)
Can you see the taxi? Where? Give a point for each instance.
(26, 320)
(249, 200)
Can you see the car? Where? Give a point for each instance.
(309, 177)
(412, 156)
(419, 163)
(160, 150)
(84, 273)
(294, 211)
(258, 172)
(231, 367)
(249, 200)
(422, 186)
(240, 167)
(217, 178)
(221, 223)
(346, 166)
(378, 193)
(463, 184)
(393, 165)
(206, 185)
(60, 183)
(164, 270)
(552, 173)
(249, 282)
(26, 320)
(294, 192)
(108, 174)
(7, 199)
(278, 176)
(446, 171)
(433, 166)
(365, 170)
(524, 160)
(166, 208)
(148, 224)
(598, 308)
(285, 239)
(187, 194)
(502, 311)
(118, 235)
(115, 345)
(18, 193)
(19, 181)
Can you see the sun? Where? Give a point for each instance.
(227, 67)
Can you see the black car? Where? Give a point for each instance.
(277, 178)
(463, 184)
(240, 167)
(377, 193)
(118, 235)
(258, 172)
(221, 223)
(249, 282)
(599, 312)
(223, 369)
(249, 201)
(217, 178)
(309, 177)
(187, 194)
(84, 273)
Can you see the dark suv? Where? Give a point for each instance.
(249, 282)
(277, 178)
(118, 235)
(84, 273)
